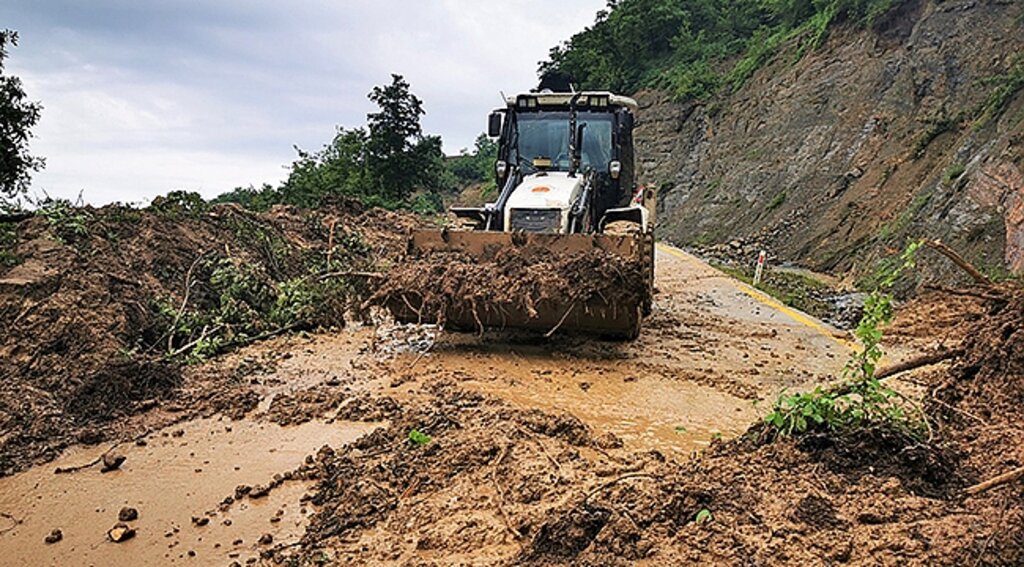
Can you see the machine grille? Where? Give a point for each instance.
(536, 220)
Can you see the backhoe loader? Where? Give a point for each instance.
(566, 173)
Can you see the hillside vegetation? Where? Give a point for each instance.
(829, 133)
(693, 48)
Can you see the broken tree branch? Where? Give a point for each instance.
(184, 301)
(957, 259)
(352, 274)
(562, 320)
(501, 494)
(609, 484)
(1004, 478)
(917, 362)
(15, 522)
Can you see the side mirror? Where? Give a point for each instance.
(579, 141)
(494, 125)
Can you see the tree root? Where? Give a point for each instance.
(917, 362)
(1000, 480)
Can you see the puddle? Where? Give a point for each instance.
(648, 413)
(168, 481)
(647, 410)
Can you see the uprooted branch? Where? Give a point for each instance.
(917, 362)
(1002, 479)
(957, 259)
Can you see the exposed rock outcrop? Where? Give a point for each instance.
(836, 159)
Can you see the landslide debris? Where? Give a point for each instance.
(448, 285)
(496, 484)
(99, 307)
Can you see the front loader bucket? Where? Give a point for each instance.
(607, 316)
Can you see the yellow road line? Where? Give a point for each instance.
(768, 301)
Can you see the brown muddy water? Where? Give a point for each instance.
(182, 472)
(676, 418)
(645, 409)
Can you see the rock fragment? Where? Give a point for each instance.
(54, 536)
(112, 461)
(120, 532)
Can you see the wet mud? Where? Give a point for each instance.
(400, 444)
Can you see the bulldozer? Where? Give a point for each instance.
(567, 178)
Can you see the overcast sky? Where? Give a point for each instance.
(142, 97)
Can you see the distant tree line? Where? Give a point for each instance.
(390, 162)
(693, 48)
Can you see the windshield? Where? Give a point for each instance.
(546, 135)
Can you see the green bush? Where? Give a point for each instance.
(862, 400)
(70, 223)
(694, 48)
(180, 204)
(8, 239)
(1005, 87)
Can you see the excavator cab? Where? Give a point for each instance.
(565, 165)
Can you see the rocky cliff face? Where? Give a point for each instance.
(835, 160)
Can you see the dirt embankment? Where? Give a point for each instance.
(909, 129)
(102, 306)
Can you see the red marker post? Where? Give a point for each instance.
(760, 267)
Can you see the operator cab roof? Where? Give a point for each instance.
(593, 99)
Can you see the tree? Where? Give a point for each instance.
(388, 163)
(396, 151)
(478, 165)
(338, 169)
(17, 117)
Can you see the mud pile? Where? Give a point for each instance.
(491, 484)
(980, 402)
(487, 483)
(988, 379)
(445, 285)
(103, 305)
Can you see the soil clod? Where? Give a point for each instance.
(112, 461)
(54, 536)
(120, 532)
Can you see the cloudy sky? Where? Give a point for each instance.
(142, 97)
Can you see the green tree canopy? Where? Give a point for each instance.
(396, 151)
(694, 47)
(389, 162)
(476, 165)
(17, 117)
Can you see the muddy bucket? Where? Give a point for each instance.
(614, 315)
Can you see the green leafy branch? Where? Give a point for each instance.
(862, 400)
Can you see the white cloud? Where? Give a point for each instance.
(140, 99)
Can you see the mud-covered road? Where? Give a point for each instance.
(551, 419)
